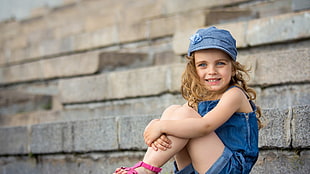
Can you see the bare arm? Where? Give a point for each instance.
(230, 102)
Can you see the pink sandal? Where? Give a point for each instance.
(131, 170)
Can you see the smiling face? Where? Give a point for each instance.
(214, 68)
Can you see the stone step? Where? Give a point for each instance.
(130, 107)
(269, 161)
(291, 26)
(15, 101)
(124, 84)
(270, 97)
(287, 66)
(284, 128)
(71, 65)
(33, 42)
(67, 66)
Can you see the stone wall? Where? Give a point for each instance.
(78, 83)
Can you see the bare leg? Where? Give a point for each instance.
(204, 150)
(159, 158)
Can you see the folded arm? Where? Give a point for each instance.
(193, 127)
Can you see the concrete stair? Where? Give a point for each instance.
(104, 81)
(96, 119)
(285, 129)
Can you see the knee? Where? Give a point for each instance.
(168, 114)
(176, 112)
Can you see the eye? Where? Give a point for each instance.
(221, 63)
(202, 65)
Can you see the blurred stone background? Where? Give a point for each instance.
(80, 79)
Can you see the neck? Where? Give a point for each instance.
(215, 95)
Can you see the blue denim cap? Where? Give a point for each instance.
(213, 37)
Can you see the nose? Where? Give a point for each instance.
(211, 70)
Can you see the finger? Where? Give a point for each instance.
(160, 146)
(163, 143)
(160, 142)
(147, 142)
(154, 147)
(165, 139)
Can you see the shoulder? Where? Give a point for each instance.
(234, 93)
(237, 98)
(233, 99)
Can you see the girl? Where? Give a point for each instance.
(216, 131)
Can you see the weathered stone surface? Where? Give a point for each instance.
(266, 30)
(286, 66)
(160, 27)
(300, 5)
(283, 96)
(167, 25)
(50, 68)
(95, 135)
(112, 61)
(193, 19)
(123, 84)
(95, 163)
(174, 6)
(269, 161)
(19, 165)
(166, 57)
(128, 107)
(83, 89)
(131, 131)
(159, 79)
(17, 101)
(271, 8)
(280, 161)
(51, 138)
(301, 126)
(74, 140)
(219, 16)
(255, 32)
(277, 131)
(77, 136)
(142, 11)
(138, 31)
(13, 140)
(282, 127)
(103, 37)
(30, 118)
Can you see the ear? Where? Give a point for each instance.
(233, 72)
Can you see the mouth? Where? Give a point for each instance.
(213, 80)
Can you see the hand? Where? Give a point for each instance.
(152, 132)
(162, 143)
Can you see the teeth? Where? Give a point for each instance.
(212, 80)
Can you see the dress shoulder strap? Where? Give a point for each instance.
(235, 86)
(251, 102)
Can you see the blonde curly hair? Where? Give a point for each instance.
(194, 91)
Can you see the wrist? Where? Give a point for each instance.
(161, 126)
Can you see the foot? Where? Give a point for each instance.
(139, 168)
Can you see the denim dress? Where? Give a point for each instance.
(239, 134)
